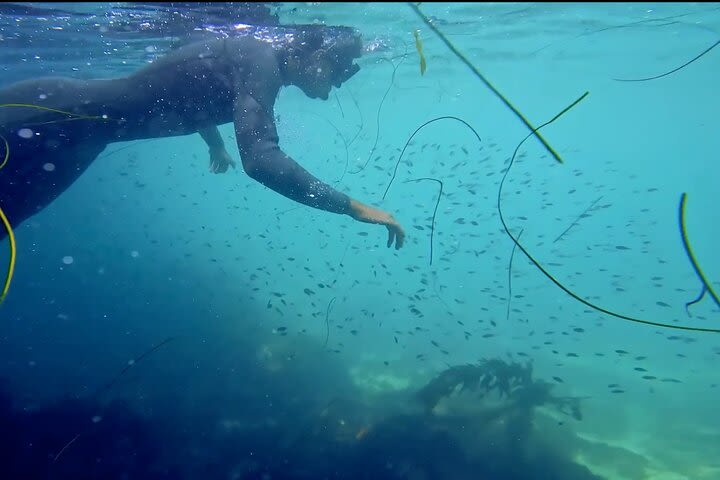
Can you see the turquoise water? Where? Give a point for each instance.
(148, 244)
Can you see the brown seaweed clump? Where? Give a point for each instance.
(511, 382)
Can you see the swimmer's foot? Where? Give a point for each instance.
(366, 214)
(220, 160)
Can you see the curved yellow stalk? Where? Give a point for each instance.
(11, 267)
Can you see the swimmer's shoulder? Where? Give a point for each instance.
(240, 50)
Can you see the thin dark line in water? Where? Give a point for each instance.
(278, 214)
(345, 143)
(109, 385)
(707, 50)
(130, 365)
(627, 25)
(553, 279)
(510, 264)
(133, 144)
(342, 112)
(362, 121)
(698, 299)
(582, 215)
(340, 265)
(437, 203)
(327, 321)
(377, 119)
(397, 164)
(437, 294)
(67, 445)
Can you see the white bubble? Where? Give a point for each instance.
(49, 167)
(67, 260)
(25, 133)
(150, 49)
(42, 96)
(134, 254)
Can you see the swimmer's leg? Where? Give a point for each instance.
(35, 176)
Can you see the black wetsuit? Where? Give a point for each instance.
(192, 89)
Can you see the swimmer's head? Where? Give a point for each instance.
(319, 58)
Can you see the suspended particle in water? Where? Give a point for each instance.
(25, 133)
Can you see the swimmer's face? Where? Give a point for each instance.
(318, 71)
(323, 72)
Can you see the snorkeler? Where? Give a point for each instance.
(53, 128)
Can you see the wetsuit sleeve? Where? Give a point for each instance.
(212, 138)
(263, 160)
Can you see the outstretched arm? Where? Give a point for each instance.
(264, 161)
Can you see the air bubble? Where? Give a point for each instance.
(25, 133)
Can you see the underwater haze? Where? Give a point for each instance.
(166, 322)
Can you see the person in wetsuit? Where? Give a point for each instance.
(190, 90)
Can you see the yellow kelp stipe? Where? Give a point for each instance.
(5, 221)
(487, 83)
(419, 48)
(75, 116)
(707, 287)
(11, 267)
(39, 107)
(7, 151)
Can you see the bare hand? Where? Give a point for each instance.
(366, 214)
(220, 160)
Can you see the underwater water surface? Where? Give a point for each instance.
(167, 322)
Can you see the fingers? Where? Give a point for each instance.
(396, 234)
(400, 236)
(219, 167)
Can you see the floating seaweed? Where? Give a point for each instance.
(512, 382)
(419, 48)
(556, 281)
